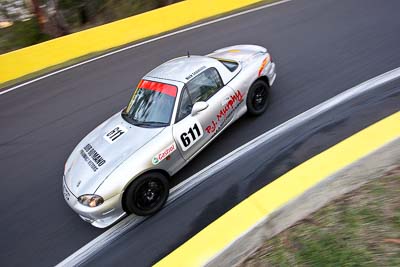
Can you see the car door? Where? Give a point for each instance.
(193, 131)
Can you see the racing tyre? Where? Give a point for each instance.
(258, 98)
(147, 194)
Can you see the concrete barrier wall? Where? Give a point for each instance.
(37, 57)
(351, 177)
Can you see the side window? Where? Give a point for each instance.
(204, 85)
(185, 106)
(230, 65)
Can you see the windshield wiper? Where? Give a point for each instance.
(143, 123)
(150, 123)
(156, 122)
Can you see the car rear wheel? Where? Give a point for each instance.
(258, 98)
(147, 194)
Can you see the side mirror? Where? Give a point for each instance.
(199, 106)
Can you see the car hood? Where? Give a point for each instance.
(103, 150)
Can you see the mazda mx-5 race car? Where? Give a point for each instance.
(124, 165)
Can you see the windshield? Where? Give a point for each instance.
(151, 104)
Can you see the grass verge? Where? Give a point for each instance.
(362, 228)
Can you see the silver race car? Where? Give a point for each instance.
(124, 165)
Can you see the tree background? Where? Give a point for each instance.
(28, 22)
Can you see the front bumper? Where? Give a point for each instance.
(101, 216)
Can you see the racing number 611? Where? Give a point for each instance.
(191, 136)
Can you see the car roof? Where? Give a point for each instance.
(183, 69)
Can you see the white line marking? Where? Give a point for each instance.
(142, 43)
(90, 249)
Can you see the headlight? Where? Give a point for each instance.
(91, 200)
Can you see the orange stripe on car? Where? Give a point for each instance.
(263, 64)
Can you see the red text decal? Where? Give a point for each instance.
(231, 105)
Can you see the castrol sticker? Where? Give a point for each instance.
(163, 154)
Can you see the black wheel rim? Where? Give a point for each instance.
(260, 97)
(149, 194)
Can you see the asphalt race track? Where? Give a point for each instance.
(321, 49)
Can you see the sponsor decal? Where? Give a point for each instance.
(234, 51)
(195, 73)
(232, 104)
(263, 64)
(115, 133)
(163, 154)
(189, 137)
(93, 159)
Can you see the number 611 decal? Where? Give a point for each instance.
(191, 136)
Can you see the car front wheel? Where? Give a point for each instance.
(258, 98)
(147, 194)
